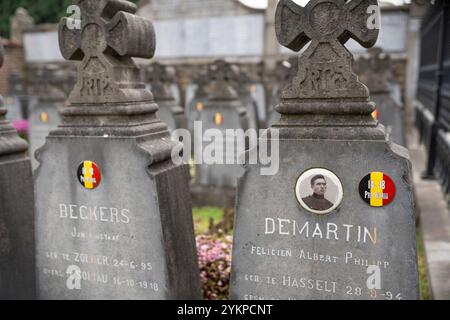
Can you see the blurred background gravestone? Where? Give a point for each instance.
(17, 246)
(376, 72)
(196, 96)
(284, 72)
(162, 84)
(49, 88)
(246, 89)
(216, 171)
(17, 103)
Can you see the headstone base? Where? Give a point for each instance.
(17, 263)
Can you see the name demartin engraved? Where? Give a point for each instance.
(330, 231)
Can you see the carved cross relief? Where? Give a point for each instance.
(325, 68)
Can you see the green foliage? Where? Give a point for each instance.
(202, 218)
(42, 11)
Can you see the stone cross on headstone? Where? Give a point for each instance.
(337, 220)
(162, 78)
(17, 263)
(327, 24)
(114, 216)
(376, 72)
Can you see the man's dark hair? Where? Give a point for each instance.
(317, 176)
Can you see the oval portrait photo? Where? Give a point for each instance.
(319, 191)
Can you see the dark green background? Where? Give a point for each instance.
(43, 11)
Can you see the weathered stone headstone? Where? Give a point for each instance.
(50, 87)
(215, 182)
(243, 85)
(258, 92)
(376, 73)
(283, 73)
(17, 263)
(337, 220)
(197, 104)
(161, 79)
(113, 211)
(16, 102)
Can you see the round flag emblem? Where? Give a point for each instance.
(89, 174)
(44, 117)
(218, 119)
(377, 189)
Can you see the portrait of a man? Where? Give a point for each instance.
(317, 200)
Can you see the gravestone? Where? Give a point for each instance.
(283, 74)
(113, 211)
(16, 103)
(50, 87)
(337, 219)
(244, 88)
(258, 93)
(376, 73)
(216, 172)
(197, 104)
(17, 264)
(20, 22)
(162, 79)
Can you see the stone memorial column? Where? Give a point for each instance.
(376, 73)
(17, 263)
(113, 210)
(337, 220)
(161, 79)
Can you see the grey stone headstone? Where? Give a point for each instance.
(259, 96)
(301, 236)
(17, 246)
(376, 72)
(50, 86)
(113, 211)
(196, 94)
(13, 105)
(284, 73)
(162, 84)
(247, 93)
(222, 110)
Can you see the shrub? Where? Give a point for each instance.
(214, 257)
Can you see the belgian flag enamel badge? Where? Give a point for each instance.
(219, 119)
(89, 174)
(377, 189)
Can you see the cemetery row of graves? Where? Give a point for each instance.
(320, 205)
